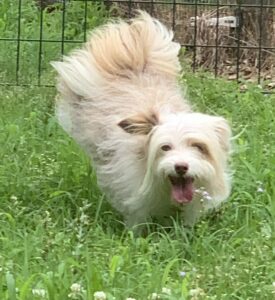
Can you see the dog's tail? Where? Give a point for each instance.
(121, 50)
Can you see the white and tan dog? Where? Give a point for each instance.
(120, 100)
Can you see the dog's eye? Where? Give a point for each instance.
(201, 147)
(166, 147)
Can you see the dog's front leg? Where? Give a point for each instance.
(192, 213)
(136, 222)
(135, 219)
(139, 229)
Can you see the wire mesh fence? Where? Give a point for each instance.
(231, 38)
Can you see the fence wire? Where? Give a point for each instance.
(231, 38)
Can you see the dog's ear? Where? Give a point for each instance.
(139, 124)
(223, 132)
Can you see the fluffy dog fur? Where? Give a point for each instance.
(120, 100)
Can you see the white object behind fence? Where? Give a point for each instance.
(229, 21)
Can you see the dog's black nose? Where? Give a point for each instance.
(182, 168)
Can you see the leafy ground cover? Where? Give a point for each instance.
(57, 229)
(59, 239)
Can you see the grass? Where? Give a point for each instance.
(57, 230)
(34, 57)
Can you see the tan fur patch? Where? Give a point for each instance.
(139, 124)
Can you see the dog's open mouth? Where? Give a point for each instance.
(182, 188)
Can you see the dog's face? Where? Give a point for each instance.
(186, 151)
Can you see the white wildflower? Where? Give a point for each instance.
(273, 284)
(47, 218)
(182, 274)
(205, 195)
(130, 298)
(166, 291)
(196, 292)
(100, 295)
(13, 198)
(76, 290)
(39, 293)
(154, 296)
(84, 219)
(260, 189)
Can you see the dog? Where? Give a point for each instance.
(119, 98)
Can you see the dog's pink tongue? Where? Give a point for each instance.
(183, 193)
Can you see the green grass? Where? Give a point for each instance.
(48, 27)
(56, 228)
